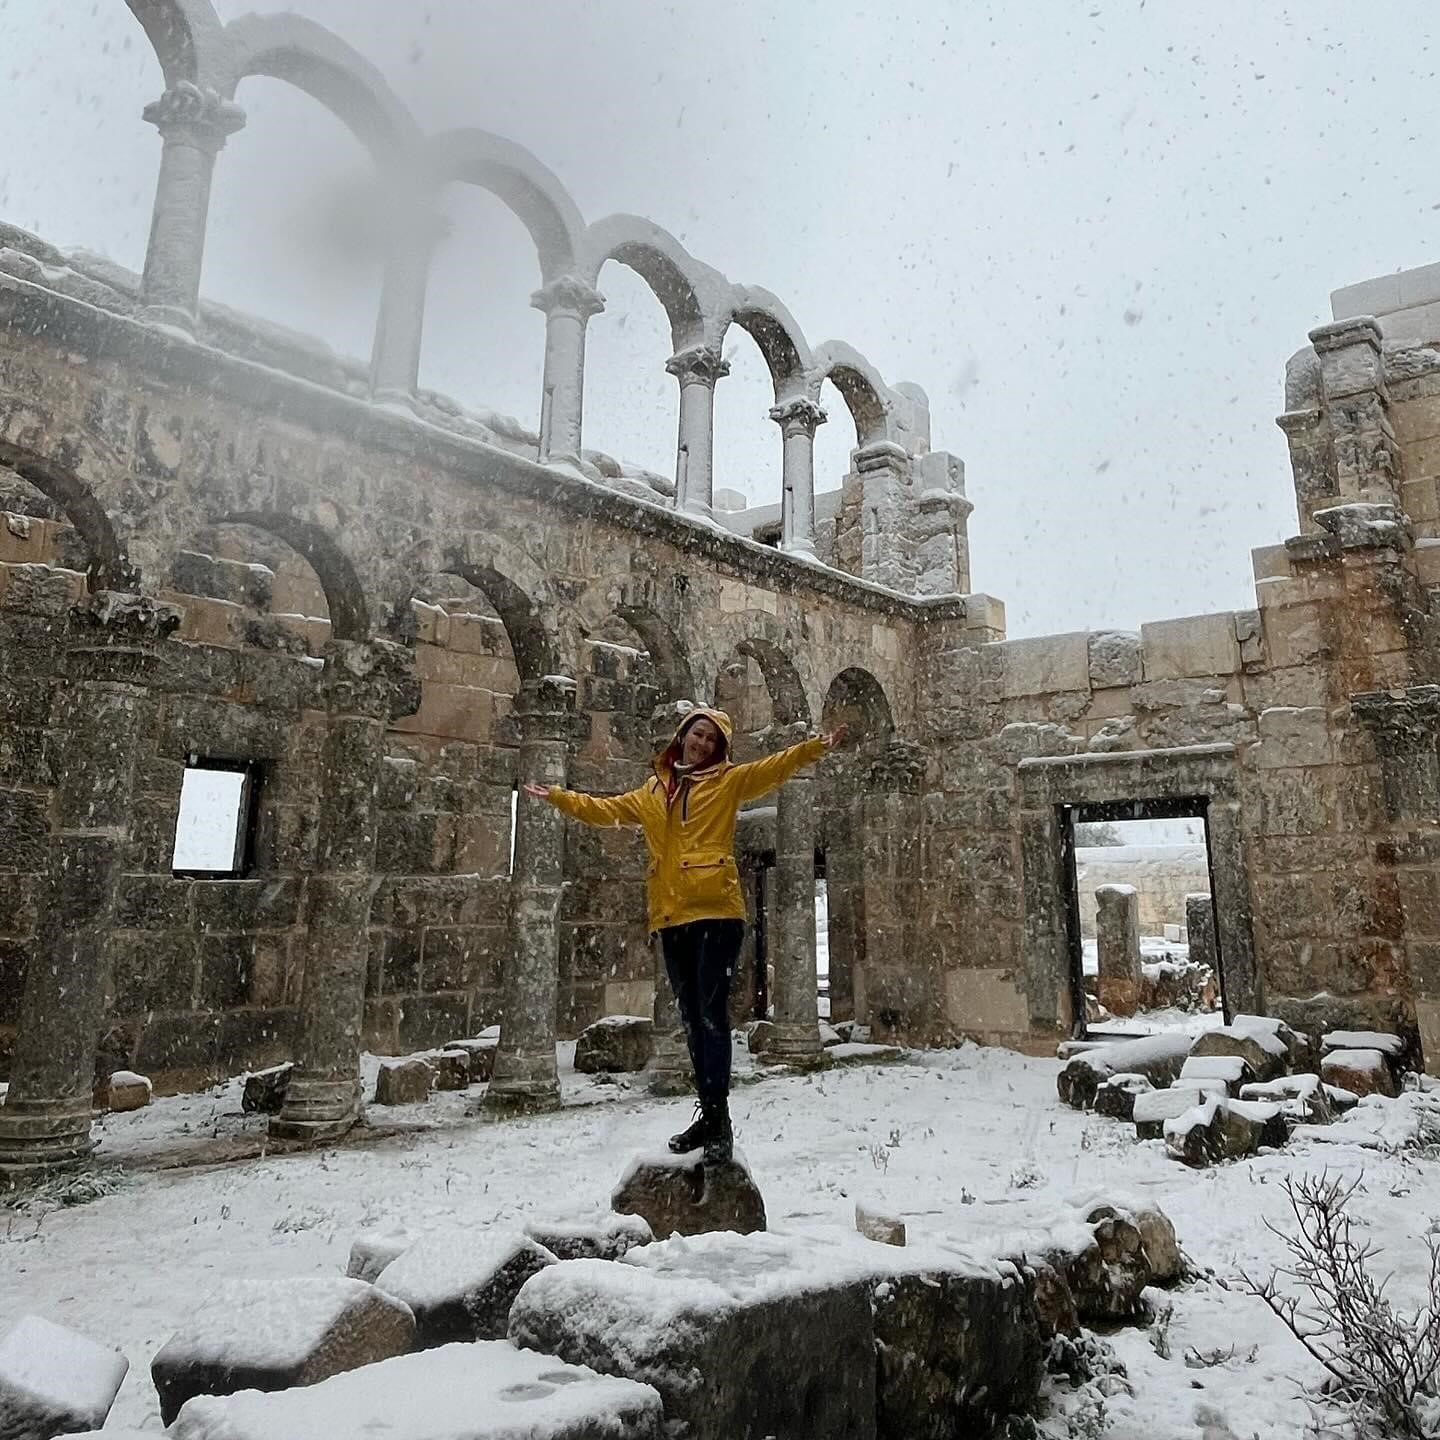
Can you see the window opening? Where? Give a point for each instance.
(214, 829)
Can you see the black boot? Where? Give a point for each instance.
(719, 1137)
(694, 1135)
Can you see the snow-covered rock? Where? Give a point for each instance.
(404, 1082)
(481, 1052)
(1221, 1129)
(1302, 1098)
(452, 1068)
(273, 1334)
(54, 1381)
(1116, 1096)
(264, 1091)
(682, 1195)
(489, 1390)
(605, 1236)
(1230, 1070)
(1264, 1053)
(1381, 1040)
(615, 1044)
(461, 1283)
(1157, 1057)
(372, 1250)
(1153, 1108)
(126, 1090)
(1364, 1072)
(878, 1225)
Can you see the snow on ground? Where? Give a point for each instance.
(967, 1143)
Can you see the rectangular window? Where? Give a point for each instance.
(216, 820)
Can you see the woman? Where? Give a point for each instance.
(687, 810)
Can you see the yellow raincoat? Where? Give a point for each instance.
(690, 829)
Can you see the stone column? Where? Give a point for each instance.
(525, 1078)
(1405, 728)
(843, 784)
(697, 370)
(400, 327)
(794, 997)
(1117, 938)
(884, 471)
(1364, 451)
(113, 649)
(568, 304)
(940, 525)
(1200, 932)
(194, 125)
(798, 420)
(365, 684)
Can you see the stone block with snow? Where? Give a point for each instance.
(1264, 1053)
(1116, 1096)
(615, 1044)
(460, 1284)
(55, 1381)
(404, 1082)
(1106, 1269)
(1301, 1051)
(879, 1225)
(488, 1390)
(372, 1250)
(264, 1091)
(1302, 1099)
(1154, 1107)
(758, 1035)
(606, 1236)
(274, 1334)
(124, 1090)
(1157, 1057)
(1231, 1071)
(1158, 1241)
(682, 1195)
(1221, 1129)
(452, 1068)
(480, 1051)
(1362, 1072)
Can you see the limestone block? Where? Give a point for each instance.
(1194, 645)
(615, 1044)
(791, 1355)
(452, 1068)
(1116, 1096)
(1115, 659)
(460, 1284)
(1292, 736)
(605, 1236)
(1228, 1069)
(489, 1390)
(1200, 927)
(1107, 1274)
(372, 1250)
(1264, 1055)
(1270, 562)
(1054, 1304)
(1117, 933)
(1427, 561)
(1302, 1099)
(404, 1082)
(126, 1090)
(758, 1036)
(1157, 1057)
(1220, 1129)
(1154, 1109)
(1362, 1072)
(54, 1381)
(481, 1052)
(1044, 665)
(983, 999)
(681, 1195)
(264, 1091)
(876, 1225)
(272, 1334)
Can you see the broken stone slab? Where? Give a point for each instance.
(1221, 1129)
(1231, 1071)
(1106, 1273)
(1157, 1057)
(1116, 1096)
(1301, 1052)
(404, 1082)
(452, 1069)
(682, 1195)
(615, 1044)
(1362, 1072)
(1154, 1107)
(876, 1225)
(488, 1390)
(1264, 1053)
(125, 1090)
(829, 1035)
(274, 1334)
(1054, 1303)
(758, 1036)
(606, 1236)
(480, 1050)
(55, 1381)
(1302, 1099)
(1381, 1040)
(460, 1284)
(372, 1250)
(851, 1032)
(264, 1092)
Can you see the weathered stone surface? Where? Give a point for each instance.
(759, 1035)
(125, 1090)
(1107, 1274)
(681, 1195)
(1158, 1058)
(1054, 1304)
(615, 1044)
(264, 1091)
(1362, 1072)
(55, 1381)
(1220, 1129)
(272, 1334)
(1162, 1248)
(1117, 938)
(1116, 1096)
(487, 1390)
(1263, 1055)
(460, 1284)
(452, 1069)
(404, 1082)
(481, 1054)
(372, 1250)
(605, 1237)
(1153, 1108)
(1114, 659)
(878, 1226)
(1301, 1098)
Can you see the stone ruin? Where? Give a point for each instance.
(231, 557)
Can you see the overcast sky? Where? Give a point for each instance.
(1093, 232)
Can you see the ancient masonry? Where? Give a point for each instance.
(225, 546)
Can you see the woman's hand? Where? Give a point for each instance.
(538, 792)
(835, 737)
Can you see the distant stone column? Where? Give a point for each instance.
(884, 471)
(1117, 931)
(697, 370)
(113, 650)
(794, 995)
(1200, 930)
(400, 327)
(798, 420)
(568, 304)
(525, 1077)
(366, 684)
(194, 125)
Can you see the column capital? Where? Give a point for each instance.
(798, 416)
(899, 769)
(568, 294)
(699, 364)
(1400, 721)
(544, 708)
(374, 679)
(117, 637)
(202, 118)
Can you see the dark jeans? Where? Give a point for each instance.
(700, 961)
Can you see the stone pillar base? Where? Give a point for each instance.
(797, 1046)
(317, 1109)
(519, 1097)
(172, 315)
(38, 1137)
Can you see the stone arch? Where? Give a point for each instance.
(765, 641)
(866, 395)
(108, 567)
(515, 176)
(344, 594)
(676, 278)
(857, 699)
(774, 329)
(313, 59)
(188, 40)
(668, 660)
